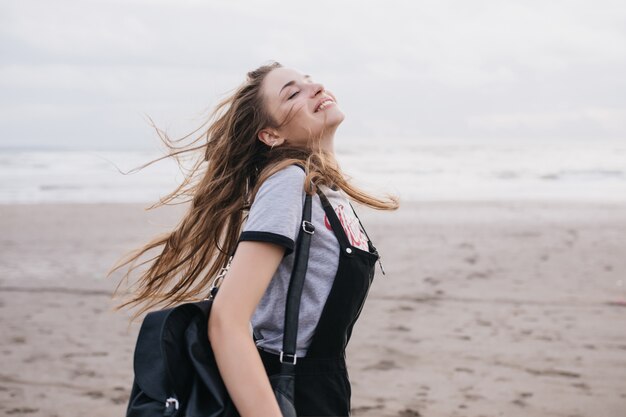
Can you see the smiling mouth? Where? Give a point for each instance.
(324, 105)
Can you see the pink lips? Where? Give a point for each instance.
(322, 102)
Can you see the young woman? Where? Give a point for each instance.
(271, 142)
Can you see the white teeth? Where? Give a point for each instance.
(324, 104)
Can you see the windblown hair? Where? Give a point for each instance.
(230, 165)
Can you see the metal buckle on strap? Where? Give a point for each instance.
(171, 401)
(294, 357)
(308, 224)
(217, 281)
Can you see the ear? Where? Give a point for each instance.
(270, 138)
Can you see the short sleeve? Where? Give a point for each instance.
(276, 211)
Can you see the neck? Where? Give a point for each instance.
(329, 147)
(328, 141)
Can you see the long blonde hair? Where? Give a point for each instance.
(221, 185)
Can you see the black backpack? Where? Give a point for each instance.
(175, 370)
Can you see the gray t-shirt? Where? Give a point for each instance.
(275, 216)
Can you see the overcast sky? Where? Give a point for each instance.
(83, 74)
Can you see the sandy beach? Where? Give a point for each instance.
(486, 309)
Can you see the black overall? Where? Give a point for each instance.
(322, 385)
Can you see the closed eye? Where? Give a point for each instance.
(293, 95)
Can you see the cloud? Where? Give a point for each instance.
(428, 68)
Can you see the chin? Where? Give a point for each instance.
(335, 119)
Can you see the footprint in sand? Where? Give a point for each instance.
(553, 372)
(583, 386)
(119, 399)
(18, 340)
(36, 357)
(521, 397)
(409, 412)
(94, 394)
(479, 275)
(431, 281)
(84, 372)
(84, 354)
(520, 402)
(383, 365)
(400, 328)
(22, 410)
(472, 259)
(364, 408)
(473, 397)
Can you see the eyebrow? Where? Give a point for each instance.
(292, 82)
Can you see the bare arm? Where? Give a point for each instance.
(251, 269)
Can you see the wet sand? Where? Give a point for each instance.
(486, 309)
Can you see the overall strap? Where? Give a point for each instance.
(294, 293)
(296, 284)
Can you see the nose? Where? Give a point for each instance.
(317, 88)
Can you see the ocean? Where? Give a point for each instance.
(412, 170)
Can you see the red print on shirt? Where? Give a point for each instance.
(351, 226)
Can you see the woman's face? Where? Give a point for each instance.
(286, 90)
